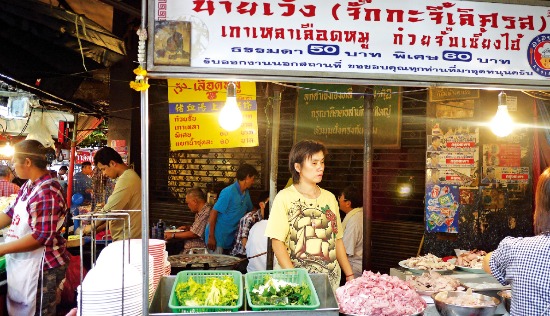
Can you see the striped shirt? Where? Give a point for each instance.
(46, 208)
(524, 263)
(245, 223)
(201, 219)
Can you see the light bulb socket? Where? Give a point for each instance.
(502, 98)
(231, 90)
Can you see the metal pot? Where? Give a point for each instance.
(202, 261)
(446, 309)
(506, 297)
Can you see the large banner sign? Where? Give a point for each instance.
(374, 38)
(194, 106)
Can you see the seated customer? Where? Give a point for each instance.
(245, 223)
(257, 243)
(193, 235)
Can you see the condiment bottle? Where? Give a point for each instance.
(161, 226)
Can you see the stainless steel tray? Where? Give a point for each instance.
(329, 306)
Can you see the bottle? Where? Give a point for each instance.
(161, 226)
(154, 232)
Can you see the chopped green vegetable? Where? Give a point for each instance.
(216, 291)
(278, 292)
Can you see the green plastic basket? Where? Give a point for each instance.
(200, 277)
(298, 276)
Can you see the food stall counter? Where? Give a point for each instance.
(328, 307)
(486, 284)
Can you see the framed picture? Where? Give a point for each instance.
(172, 43)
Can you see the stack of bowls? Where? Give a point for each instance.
(106, 290)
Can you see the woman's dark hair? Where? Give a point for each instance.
(264, 195)
(105, 155)
(246, 170)
(542, 204)
(301, 151)
(32, 149)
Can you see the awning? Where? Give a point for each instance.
(43, 46)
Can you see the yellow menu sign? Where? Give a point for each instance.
(194, 106)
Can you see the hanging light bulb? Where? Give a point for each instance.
(7, 150)
(502, 124)
(230, 117)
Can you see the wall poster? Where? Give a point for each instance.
(442, 208)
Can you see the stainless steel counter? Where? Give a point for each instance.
(329, 306)
(484, 284)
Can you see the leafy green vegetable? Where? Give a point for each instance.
(277, 292)
(216, 291)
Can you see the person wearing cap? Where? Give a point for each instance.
(36, 254)
(7, 188)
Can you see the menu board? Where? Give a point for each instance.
(194, 106)
(334, 114)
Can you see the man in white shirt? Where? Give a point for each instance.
(350, 202)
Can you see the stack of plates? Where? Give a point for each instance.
(167, 268)
(103, 293)
(166, 264)
(157, 249)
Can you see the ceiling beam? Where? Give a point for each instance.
(65, 5)
(123, 7)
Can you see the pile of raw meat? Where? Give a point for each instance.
(379, 295)
(434, 282)
(428, 262)
(471, 259)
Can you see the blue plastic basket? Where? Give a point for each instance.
(200, 277)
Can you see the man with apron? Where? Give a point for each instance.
(36, 254)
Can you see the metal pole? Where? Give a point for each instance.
(71, 163)
(367, 178)
(274, 161)
(145, 198)
(145, 181)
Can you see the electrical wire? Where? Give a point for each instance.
(26, 124)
